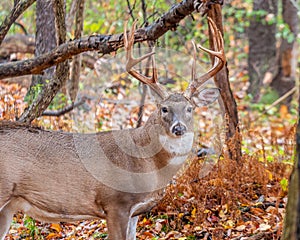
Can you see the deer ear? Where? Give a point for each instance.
(205, 96)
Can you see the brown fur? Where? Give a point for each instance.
(45, 173)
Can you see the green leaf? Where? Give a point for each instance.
(284, 183)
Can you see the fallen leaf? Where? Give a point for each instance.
(148, 234)
(283, 111)
(194, 213)
(264, 227)
(158, 227)
(56, 227)
(53, 236)
(257, 211)
(271, 209)
(240, 228)
(222, 214)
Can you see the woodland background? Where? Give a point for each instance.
(244, 194)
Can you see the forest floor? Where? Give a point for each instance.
(232, 200)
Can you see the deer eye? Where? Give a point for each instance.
(189, 109)
(164, 109)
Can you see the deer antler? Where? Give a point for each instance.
(219, 62)
(131, 62)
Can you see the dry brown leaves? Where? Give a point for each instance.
(236, 200)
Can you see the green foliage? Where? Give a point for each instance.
(28, 17)
(284, 183)
(108, 17)
(99, 235)
(34, 232)
(269, 96)
(33, 93)
(180, 194)
(258, 15)
(4, 10)
(3, 13)
(285, 33)
(59, 101)
(191, 237)
(270, 158)
(283, 30)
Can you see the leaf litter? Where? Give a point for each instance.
(235, 200)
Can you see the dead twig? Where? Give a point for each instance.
(279, 100)
(64, 110)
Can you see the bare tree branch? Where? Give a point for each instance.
(20, 43)
(104, 44)
(22, 27)
(17, 10)
(131, 9)
(63, 110)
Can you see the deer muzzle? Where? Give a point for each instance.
(178, 129)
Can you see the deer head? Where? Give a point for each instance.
(175, 110)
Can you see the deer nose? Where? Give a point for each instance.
(179, 129)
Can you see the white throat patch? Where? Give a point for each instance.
(178, 146)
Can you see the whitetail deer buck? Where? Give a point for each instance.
(117, 175)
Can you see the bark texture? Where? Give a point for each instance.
(262, 46)
(233, 141)
(291, 229)
(44, 42)
(285, 78)
(76, 63)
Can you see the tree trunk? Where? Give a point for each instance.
(233, 141)
(51, 87)
(44, 42)
(291, 229)
(287, 60)
(73, 85)
(262, 45)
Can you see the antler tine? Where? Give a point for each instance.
(193, 73)
(219, 62)
(131, 62)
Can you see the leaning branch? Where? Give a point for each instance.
(17, 10)
(104, 44)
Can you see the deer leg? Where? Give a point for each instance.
(131, 228)
(117, 224)
(6, 216)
